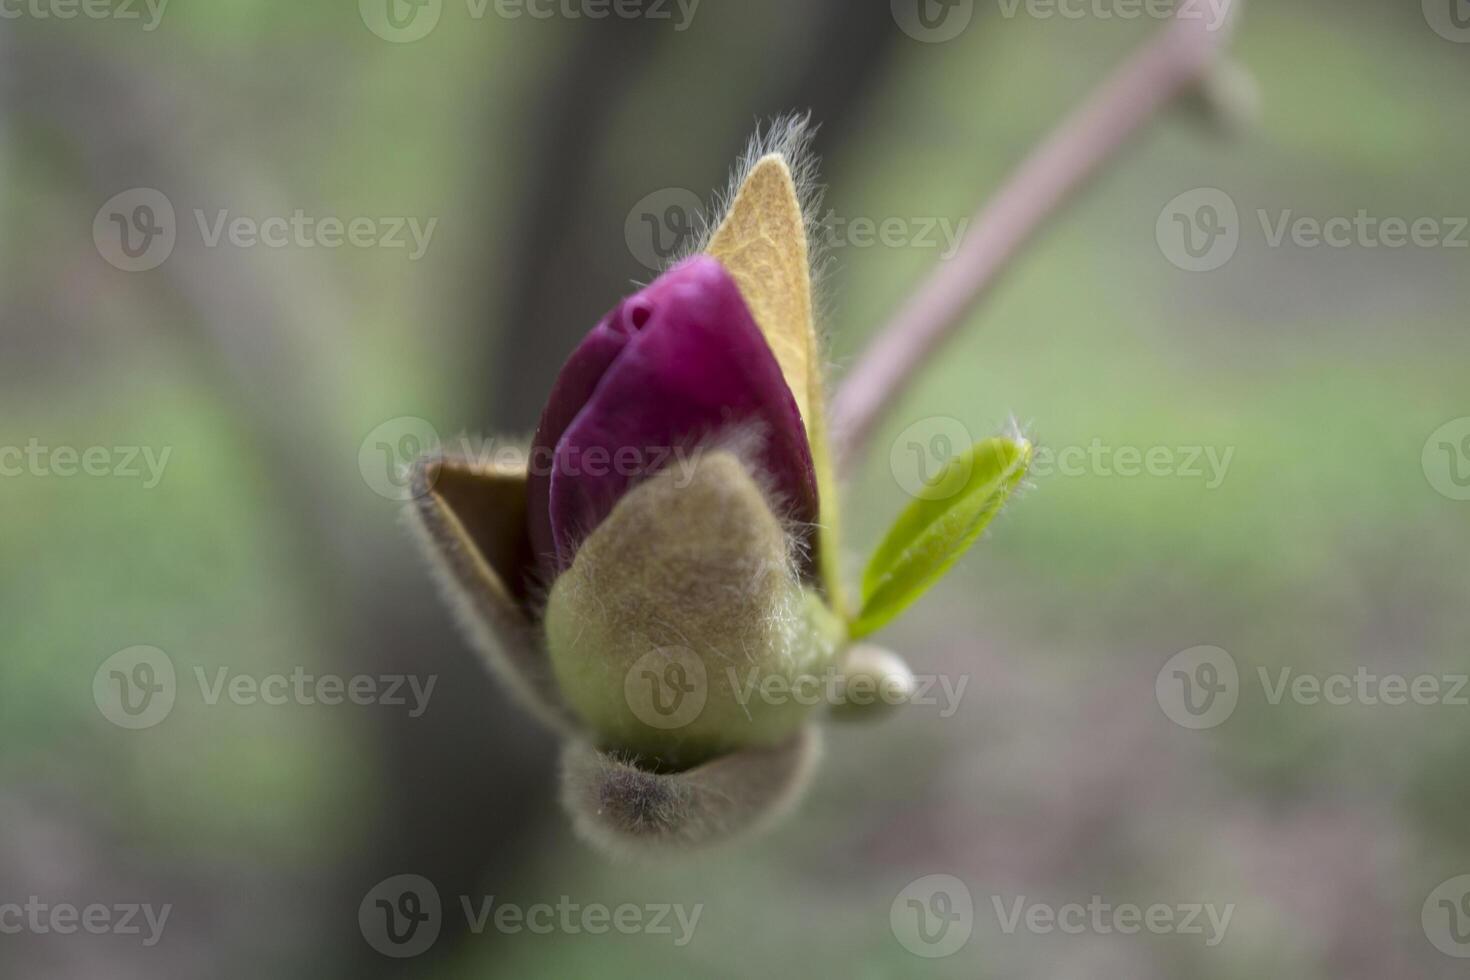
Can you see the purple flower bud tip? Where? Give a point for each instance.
(671, 365)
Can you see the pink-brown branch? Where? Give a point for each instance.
(1169, 65)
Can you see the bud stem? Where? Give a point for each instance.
(1165, 68)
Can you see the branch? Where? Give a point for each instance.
(1165, 68)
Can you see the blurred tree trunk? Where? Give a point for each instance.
(570, 266)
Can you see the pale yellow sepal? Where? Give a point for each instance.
(762, 244)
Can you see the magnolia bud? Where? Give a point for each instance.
(681, 613)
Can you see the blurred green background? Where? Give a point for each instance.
(1333, 542)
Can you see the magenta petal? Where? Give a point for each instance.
(573, 387)
(695, 364)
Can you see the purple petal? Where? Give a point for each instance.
(691, 363)
(573, 387)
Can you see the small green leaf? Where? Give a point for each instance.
(935, 530)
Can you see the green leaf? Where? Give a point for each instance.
(936, 529)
